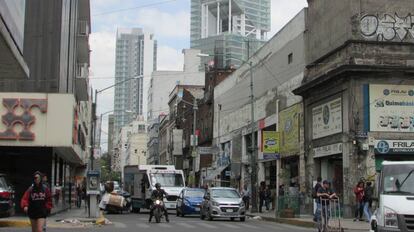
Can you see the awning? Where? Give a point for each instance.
(212, 174)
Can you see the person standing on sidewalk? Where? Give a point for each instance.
(262, 196)
(37, 202)
(317, 200)
(368, 193)
(268, 197)
(359, 198)
(246, 196)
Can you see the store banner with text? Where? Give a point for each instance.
(271, 142)
(327, 119)
(391, 108)
(289, 124)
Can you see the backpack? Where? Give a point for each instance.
(315, 190)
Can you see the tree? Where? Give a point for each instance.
(106, 172)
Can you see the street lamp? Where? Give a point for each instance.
(93, 130)
(253, 161)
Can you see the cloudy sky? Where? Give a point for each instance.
(169, 20)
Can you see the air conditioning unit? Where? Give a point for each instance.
(83, 28)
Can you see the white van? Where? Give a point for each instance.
(395, 192)
(140, 181)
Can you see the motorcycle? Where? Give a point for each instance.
(158, 210)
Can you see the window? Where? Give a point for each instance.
(290, 58)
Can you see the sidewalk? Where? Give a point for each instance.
(73, 218)
(307, 221)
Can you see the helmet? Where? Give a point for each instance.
(157, 185)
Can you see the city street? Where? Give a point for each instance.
(136, 222)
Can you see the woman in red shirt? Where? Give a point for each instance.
(37, 202)
(359, 195)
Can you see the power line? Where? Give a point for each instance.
(134, 8)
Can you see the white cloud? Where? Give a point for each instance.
(283, 11)
(165, 24)
(169, 58)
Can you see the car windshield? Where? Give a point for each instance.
(167, 179)
(194, 193)
(225, 193)
(398, 179)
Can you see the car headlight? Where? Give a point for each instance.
(186, 202)
(215, 203)
(390, 218)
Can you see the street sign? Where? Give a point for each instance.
(208, 150)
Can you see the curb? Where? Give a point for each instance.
(305, 224)
(15, 223)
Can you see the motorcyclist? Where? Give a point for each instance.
(159, 194)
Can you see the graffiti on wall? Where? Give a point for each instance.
(387, 27)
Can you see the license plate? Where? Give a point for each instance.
(197, 209)
(229, 211)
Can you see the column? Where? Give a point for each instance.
(218, 18)
(230, 17)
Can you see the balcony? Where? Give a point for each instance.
(83, 51)
(82, 82)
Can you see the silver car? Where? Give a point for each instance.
(222, 202)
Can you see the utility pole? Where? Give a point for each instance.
(195, 108)
(253, 175)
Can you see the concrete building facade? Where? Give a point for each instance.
(277, 69)
(356, 90)
(50, 99)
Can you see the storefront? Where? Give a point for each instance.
(42, 133)
(290, 121)
(329, 161)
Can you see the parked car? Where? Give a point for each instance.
(6, 196)
(220, 202)
(189, 201)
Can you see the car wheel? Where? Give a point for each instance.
(178, 213)
(210, 218)
(231, 219)
(242, 219)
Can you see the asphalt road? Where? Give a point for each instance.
(139, 222)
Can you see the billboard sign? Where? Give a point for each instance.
(391, 108)
(327, 119)
(289, 125)
(271, 142)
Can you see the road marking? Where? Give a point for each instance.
(186, 225)
(250, 226)
(230, 226)
(142, 225)
(119, 225)
(208, 225)
(164, 225)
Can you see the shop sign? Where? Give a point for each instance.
(327, 150)
(327, 119)
(383, 147)
(289, 126)
(270, 143)
(208, 150)
(391, 108)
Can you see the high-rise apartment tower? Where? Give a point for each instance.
(136, 57)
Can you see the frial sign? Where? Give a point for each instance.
(387, 27)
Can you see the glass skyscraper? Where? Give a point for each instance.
(230, 29)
